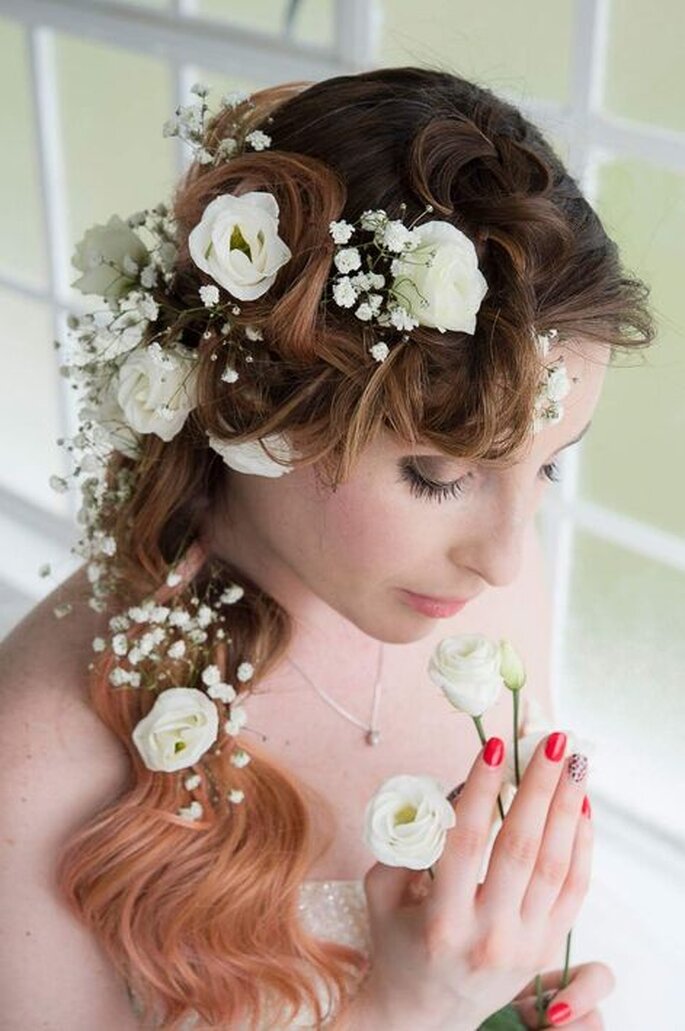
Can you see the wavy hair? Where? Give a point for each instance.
(203, 917)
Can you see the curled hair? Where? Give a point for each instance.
(203, 917)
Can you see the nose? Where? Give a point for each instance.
(494, 547)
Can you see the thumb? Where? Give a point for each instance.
(386, 887)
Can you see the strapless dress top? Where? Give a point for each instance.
(333, 910)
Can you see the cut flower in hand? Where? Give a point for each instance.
(406, 821)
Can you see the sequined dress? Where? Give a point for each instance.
(334, 910)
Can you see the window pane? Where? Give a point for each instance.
(635, 461)
(312, 21)
(491, 43)
(113, 106)
(623, 675)
(644, 78)
(23, 254)
(29, 403)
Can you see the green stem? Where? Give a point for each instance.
(516, 737)
(540, 1009)
(483, 739)
(564, 976)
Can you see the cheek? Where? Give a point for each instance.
(370, 530)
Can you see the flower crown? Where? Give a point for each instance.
(137, 378)
(395, 277)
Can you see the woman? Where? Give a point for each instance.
(389, 279)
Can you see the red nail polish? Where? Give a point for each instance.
(558, 1013)
(493, 753)
(587, 809)
(556, 744)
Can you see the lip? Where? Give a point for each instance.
(437, 608)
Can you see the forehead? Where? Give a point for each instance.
(586, 362)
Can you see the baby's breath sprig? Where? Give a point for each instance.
(393, 285)
(188, 124)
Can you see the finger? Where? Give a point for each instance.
(591, 1021)
(554, 858)
(385, 888)
(517, 844)
(589, 984)
(548, 981)
(575, 887)
(457, 871)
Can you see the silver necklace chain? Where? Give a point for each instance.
(373, 734)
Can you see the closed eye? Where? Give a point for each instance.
(432, 490)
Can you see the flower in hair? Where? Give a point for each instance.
(180, 727)
(110, 257)
(407, 276)
(553, 387)
(236, 242)
(439, 280)
(250, 456)
(155, 390)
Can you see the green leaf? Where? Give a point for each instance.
(506, 1019)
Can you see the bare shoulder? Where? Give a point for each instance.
(61, 766)
(44, 684)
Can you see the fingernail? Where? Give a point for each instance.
(556, 743)
(558, 1013)
(493, 753)
(587, 810)
(577, 767)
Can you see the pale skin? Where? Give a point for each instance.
(336, 561)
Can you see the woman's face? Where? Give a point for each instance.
(351, 553)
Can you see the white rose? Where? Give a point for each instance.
(406, 821)
(250, 457)
(529, 742)
(179, 728)
(237, 243)
(452, 284)
(156, 394)
(113, 242)
(467, 668)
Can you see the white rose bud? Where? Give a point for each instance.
(406, 821)
(511, 666)
(251, 458)
(237, 243)
(179, 728)
(449, 280)
(152, 398)
(101, 248)
(467, 668)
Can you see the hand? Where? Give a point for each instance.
(588, 984)
(450, 952)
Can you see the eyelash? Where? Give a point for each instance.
(420, 487)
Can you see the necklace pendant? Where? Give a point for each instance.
(373, 737)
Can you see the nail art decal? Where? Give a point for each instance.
(577, 767)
